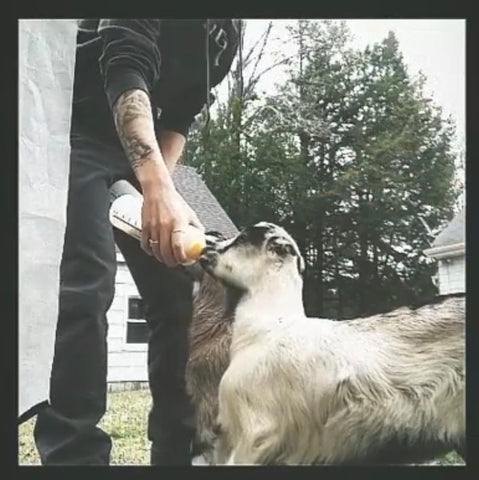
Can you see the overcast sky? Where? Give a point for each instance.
(436, 47)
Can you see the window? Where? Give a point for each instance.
(136, 326)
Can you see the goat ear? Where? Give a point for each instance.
(301, 264)
(281, 247)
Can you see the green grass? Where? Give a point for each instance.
(452, 458)
(126, 422)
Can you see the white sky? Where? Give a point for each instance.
(436, 47)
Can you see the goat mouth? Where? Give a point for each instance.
(208, 259)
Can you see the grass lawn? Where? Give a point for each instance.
(125, 420)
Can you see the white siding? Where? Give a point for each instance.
(452, 275)
(126, 362)
(117, 373)
(127, 366)
(123, 276)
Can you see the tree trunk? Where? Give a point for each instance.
(337, 276)
(363, 258)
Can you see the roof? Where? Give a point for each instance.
(194, 190)
(454, 232)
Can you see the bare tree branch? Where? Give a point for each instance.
(253, 81)
(262, 50)
(260, 39)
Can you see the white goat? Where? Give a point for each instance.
(383, 389)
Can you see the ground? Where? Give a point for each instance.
(125, 421)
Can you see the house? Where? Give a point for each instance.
(449, 249)
(128, 332)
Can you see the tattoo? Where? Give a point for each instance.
(129, 108)
(137, 150)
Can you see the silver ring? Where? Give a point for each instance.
(153, 242)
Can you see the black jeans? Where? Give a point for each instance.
(66, 431)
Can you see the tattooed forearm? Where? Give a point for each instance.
(134, 123)
(136, 150)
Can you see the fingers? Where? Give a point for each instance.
(155, 246)
(150, 243)
(165, 244)
(165, 222)
(178, 245)
(145, 242)
(165, 250)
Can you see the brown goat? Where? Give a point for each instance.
(210, 338)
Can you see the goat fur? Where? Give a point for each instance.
(386, 389)
(209, 346)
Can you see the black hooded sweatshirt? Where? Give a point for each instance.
(164, 57)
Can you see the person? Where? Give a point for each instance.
(139, 83)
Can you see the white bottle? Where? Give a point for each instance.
(125, 214)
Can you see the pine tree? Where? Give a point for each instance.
(350, 156)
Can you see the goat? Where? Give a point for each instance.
(209, 345)
(387, 389)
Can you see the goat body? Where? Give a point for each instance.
(384, 389)
(209, 347)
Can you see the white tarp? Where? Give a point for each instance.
(46, 65)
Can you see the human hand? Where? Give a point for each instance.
(165, 216)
